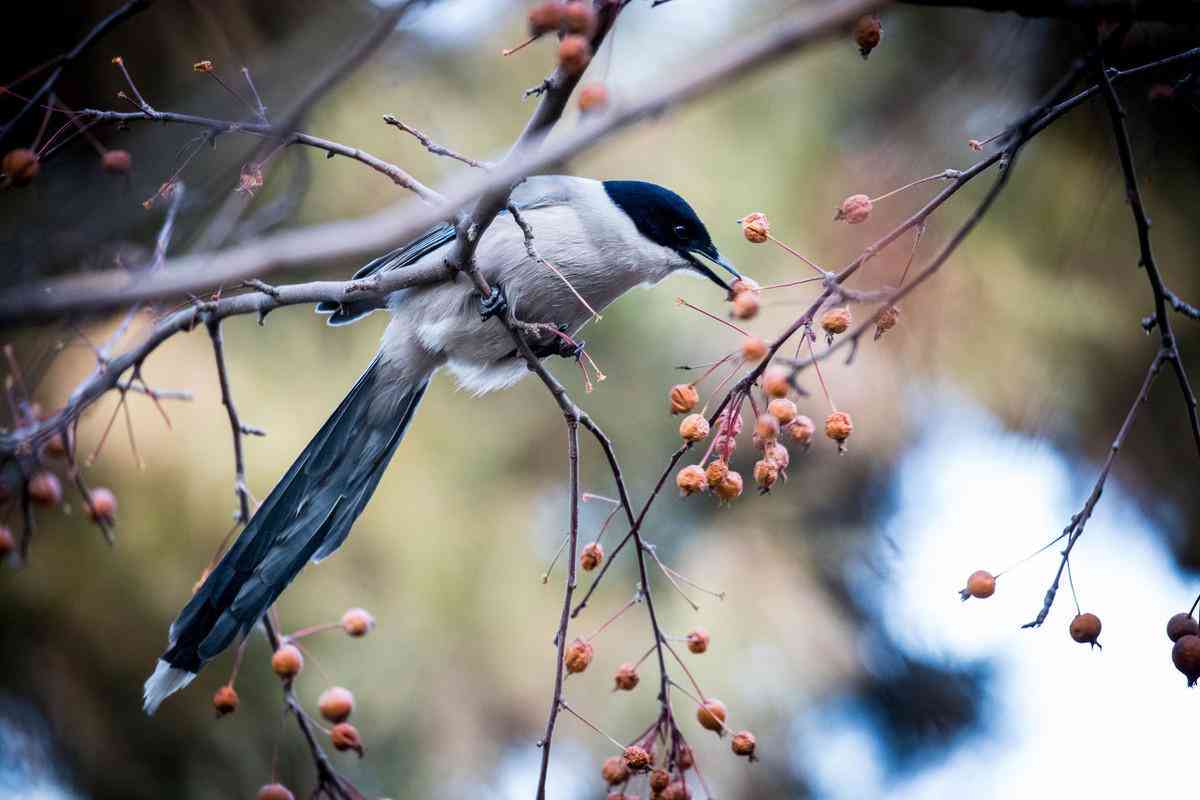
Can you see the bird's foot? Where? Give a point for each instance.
(495, 303)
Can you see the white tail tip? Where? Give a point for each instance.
(165, 681)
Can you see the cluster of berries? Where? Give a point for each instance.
(1084, 628)
(335, 703)
(22, 165)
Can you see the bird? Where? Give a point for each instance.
(604, 237)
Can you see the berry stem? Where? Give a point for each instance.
(508, 51)
(798, 255)
(566, 707)
(713, 317)
(817, 366)
(632, 602)
(948, 174)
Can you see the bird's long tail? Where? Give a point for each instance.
(306, 517)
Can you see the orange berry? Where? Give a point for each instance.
(778, 455)
(753, 349)
(591, 557)
(578, 656)
(336, 704)
(981, 584)
(636, 758)
(225, 700)
(839, 427)
(678, 790)
(274, 791)
(756, 227)
(801, 430)
(697, 640)
(660, 779)
(691, 480)
(104, 505)
(574, 53)
(357, 622)
(21, 166)
(593, 97)
(766, 428)
(344, 736)
(545, 17)
(745, 305)
(716, 472)
(116, 162)
(887, 320)
(744, 285)
(835, 321)
(578, 17)
(287, 661)
(783, 410)
(627, 677)
(1182, 624)
(854, 209)
(693, 428)
(685, 758)
(730, 488)
(1085, 628)
(711, 715)
(45, 489)
(766, 473)
(776, 383)
(867, 33)
(744, 744)
(614, 770)
(684, 398)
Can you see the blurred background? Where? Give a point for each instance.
(980, 422)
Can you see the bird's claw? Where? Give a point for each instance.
(495, 303)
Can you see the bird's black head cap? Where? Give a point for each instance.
(665, 218)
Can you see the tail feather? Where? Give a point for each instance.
(305, 518)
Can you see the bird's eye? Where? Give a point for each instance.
(681, 231)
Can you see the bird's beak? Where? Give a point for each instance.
(715, 257)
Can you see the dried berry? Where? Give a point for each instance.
(854, 209)
(697, 640)
(1182, 624)
(627, 677)
(730, 488)
(1186, 656)
(766, 473)
(783, 410)
(887, 320)
(981, 584)
(7, 542)
(756, 227)
(693, 428)
(636, 758)
(744, 744)
(56, 446)
(716, 472)
(677, 791)
(684, 398)
(116, 162)
(745, 305)
(357, 622)
(778, 455)
(867, 33)
(685, 758)
(225, 700)
(336, 704)
(21, 166)
(614, 770)
(593, 97)
(753, 349)
(766, 428)
(835, 321)
(203, 66)
(344, 736)
(104, 505)
(545, 17)
(578, 17)
(574, 53)
(775, 382)
(287, 661)
(691, 480)
(274, 791)
(838, 427)
(1085, 628)
(660, 779)
(711, 715)
(578, 656)
(591, 556)
(744, 284)
(45, 489)
(801, 430)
